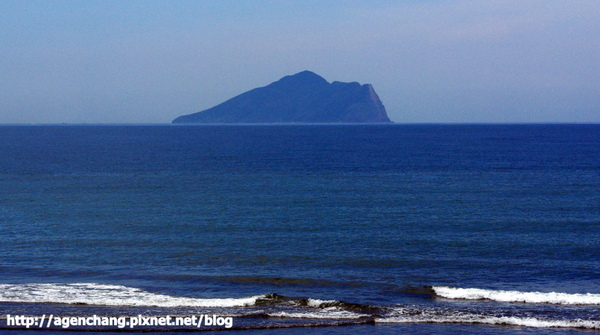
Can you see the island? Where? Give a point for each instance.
(304, 97)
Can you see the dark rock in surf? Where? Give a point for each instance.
(301, 98)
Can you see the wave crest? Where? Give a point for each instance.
(108, 295)
(517, 296)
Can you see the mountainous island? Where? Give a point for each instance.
(304, 97)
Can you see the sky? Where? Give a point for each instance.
(430, 61)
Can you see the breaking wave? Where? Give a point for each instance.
(274, 311)
(108, 295)
(403, 316)
(117, 295)
(517, 296)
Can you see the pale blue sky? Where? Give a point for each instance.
(146, 61)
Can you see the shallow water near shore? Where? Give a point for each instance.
(302, 229)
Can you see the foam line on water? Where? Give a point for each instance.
(108, 295)
(330, 313)
(467, 318)
(517, 296)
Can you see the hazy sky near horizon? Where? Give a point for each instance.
(149, 61)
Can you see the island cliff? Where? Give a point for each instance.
(302, 98)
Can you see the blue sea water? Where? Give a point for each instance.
(305, 229)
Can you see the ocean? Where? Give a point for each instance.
(300, 229)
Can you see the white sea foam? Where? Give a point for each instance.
(108, 295)
(319, 303)
(518, 296)
(467, 318)
(329, 313)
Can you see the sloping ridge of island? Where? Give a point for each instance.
(304, 97)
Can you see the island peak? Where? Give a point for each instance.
(304, 97)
